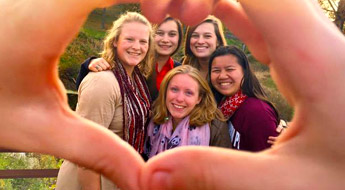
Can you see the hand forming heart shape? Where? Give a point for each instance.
(288, 35)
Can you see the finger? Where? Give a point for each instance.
(280, 129)
(155, 10)
(104, 65)
(219, 169)
(95, 64)
(237, 21)
(270, 142)
(190, 12)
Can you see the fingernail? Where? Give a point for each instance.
(160, 180)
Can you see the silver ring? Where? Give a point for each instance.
(97, 67)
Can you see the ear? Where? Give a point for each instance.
(115, 43)
(199, 100)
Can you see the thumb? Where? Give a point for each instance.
(206, 168)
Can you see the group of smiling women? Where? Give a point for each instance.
(155, 103)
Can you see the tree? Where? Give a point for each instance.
(335, 9)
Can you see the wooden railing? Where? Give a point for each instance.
(26, 173)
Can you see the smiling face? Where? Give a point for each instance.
(166, 38)
(226, 74)
(132, 44)
(182, 96)
(203, 41)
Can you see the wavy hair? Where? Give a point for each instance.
(190, 58)
(109, 52)
(203, 113)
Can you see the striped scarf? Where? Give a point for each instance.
(136, 105)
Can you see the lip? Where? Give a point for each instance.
(201, 48)
(165, 46)
(177, 106)
(133, 53)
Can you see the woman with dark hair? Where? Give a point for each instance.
(167, 40)
(201, 41)
(242, 100)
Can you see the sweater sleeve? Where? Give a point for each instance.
(260, 123)
(220, 136)
(84, 70)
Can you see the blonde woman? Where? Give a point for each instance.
(185, 113)
(117, 99)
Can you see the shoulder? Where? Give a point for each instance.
(106, 78)
(252, 105)
(100, 83)
(217, 125)
(256, 110)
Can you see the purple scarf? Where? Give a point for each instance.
(161, 137)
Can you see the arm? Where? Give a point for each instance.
(91, 64)
(259, 124)
(84, 70)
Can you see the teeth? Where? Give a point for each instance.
(177, 106)
(201, 48)
(225, 83)
(133, 53)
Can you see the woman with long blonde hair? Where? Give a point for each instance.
(117, 99)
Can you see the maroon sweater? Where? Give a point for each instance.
(251, 125)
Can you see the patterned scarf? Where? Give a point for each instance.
(161, 137)
(136, 105)
(230, 104)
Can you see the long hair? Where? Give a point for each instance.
(109, 52)
(190, 58)
(203, 113)
(250, 84)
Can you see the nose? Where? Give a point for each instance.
(165, 38)
(200, 40)
(136, 45)
(222, 74)
(179, 97)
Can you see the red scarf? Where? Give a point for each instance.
(136, 105)
(230, 104)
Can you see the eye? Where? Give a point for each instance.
(172, 34)
(160, 33)
(189, 93)
(215, 70)
(207, 36)
(174, 89)
(195, 35)
(143, 42)
(130, 39)
(229, 69)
